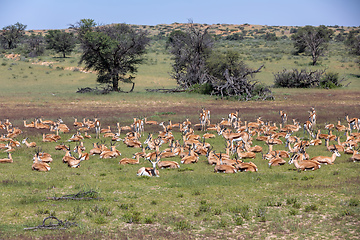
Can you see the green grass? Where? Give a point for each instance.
(277, 201)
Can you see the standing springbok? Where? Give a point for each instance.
(284, 116)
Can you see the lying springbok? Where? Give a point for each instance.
(82, 155)
(39, 165)
(8, 159)
(29, 145)
(303, 165)
(125, 161)
(167, 164)
(327, 160)
(223, 168)
(149, 171)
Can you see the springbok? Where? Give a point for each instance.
(82, 155)
(325, 159)
(29, 145)
(167, 164)
(303, 165)
(150, 122)
(125, 161)
(113, 153)
(276, 161)
(246, 167)
(223, 168)
(283, 116)
(39, 165)
(149, 171)
(312, 116)
(355, 157)
(8, 159)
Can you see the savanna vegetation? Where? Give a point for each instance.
(193, 201)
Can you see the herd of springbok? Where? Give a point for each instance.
(238, 137)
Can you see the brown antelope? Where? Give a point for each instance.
(30, 125)
(125, 161)
(29, 145)
(283, 116)
(353, 122)
(97, 125)
(355, 157)
(8, 159)
(40, 166)
(308, 127)
(149, 171)
(208, 135)
(78, 124)
(150, 122)
(74, 163)
(223, 168)
(340, 127)
(106, 130)
(317, 141)
(327, 160)
(82, 155)
(244, 155)
(255, 149)
(86, 135)
(276, 161)
(235, 137)
(190, 158)
(167, 164)
(312, 116)
(48, 139)
(302, 165)
(141, 154)
(113, 153)
(132, 143)
(246, 167)
(95, 150)
(331, 148)
(68, 156)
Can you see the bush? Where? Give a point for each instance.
(306, 79)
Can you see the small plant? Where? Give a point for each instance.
(182, 225)
(153, 202)
(223, 223)
(133, 217)
(100, 220)
(311, 207)
(353, 202)
(217, 211)
(238, 221)
(261, 213)
(196, 193)
(293, 212)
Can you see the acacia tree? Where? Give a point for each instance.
(313, 40)
(12, 34)
(113, 51)
(60, 41)
(35, 44)
(190, 51)
(353, 42)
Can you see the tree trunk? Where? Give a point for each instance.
(63, 54)
(115, 80)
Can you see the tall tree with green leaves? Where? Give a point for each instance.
(312, 40)
(60, 41)
(11, 35)
(113, 51)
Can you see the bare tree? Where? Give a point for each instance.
(190, 51)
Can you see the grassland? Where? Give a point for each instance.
(192, 202)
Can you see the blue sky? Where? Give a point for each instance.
(51, 14)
